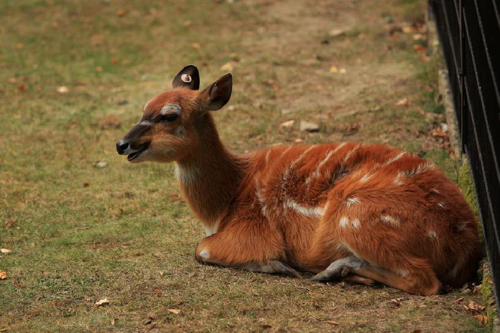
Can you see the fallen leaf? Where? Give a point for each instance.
(332, 322)
(113, 321)
(483, 320)
(227, 67)
(334, 69)
(408, 29)
(3, 275)
(9, 223)
(473, 306)
(298, 140)
(337, 32)
(459, 300)
(121, 12)
(342, 71)
(100, 164)
(102, 302)
(158, 292)
(288, 123)
(402, 102)
(21, 87)
(418, 37)
(174, 311)
(63, 90)
(419, 48)
(196, 46)
(99, 69)
(5, 251)
(174, 196)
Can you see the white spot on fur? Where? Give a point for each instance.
(356, 224)
(186, 175)
(402, 272)
(180, 131)
(211, 230)
(146, 105)
(389, 161)
(306, 211)
(344, 222)
(441, 204)
(186, 78)
(145, 123)
(432, 234)
(172, 108)
(390, 219)
(352, 201)
(204, 254)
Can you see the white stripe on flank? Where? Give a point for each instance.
(301, 156)
(317, 172)
(349, 154)
(307, 211)
(267, 155)
(262, 201)
(393, 159)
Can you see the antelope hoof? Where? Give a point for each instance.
(330, 275)
(338, 269)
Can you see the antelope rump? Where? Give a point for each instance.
(357, 212)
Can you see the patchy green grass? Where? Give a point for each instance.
(79, 233)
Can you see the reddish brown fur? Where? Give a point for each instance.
(288, 204)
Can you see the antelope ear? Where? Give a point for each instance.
(218, 93)
(188, 77)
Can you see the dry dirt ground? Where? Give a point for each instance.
(74, 76)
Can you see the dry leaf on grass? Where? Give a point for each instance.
(474, 307)
(227, 67)
(332, 322)
(402, 102)
(102, 302)
(288, 123)
(63, 90)
(174, 311)
(3, 275)
(483, 320)
(5, 251)
(9, 223)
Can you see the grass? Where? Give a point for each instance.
(83, 233)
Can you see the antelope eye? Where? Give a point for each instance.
(170, 117)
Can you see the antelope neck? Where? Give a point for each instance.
(209, 176)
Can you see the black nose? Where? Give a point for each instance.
(121, 146)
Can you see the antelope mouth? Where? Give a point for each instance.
(136, 154)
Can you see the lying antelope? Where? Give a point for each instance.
(357, 212)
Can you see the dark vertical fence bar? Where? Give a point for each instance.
(469, 31)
